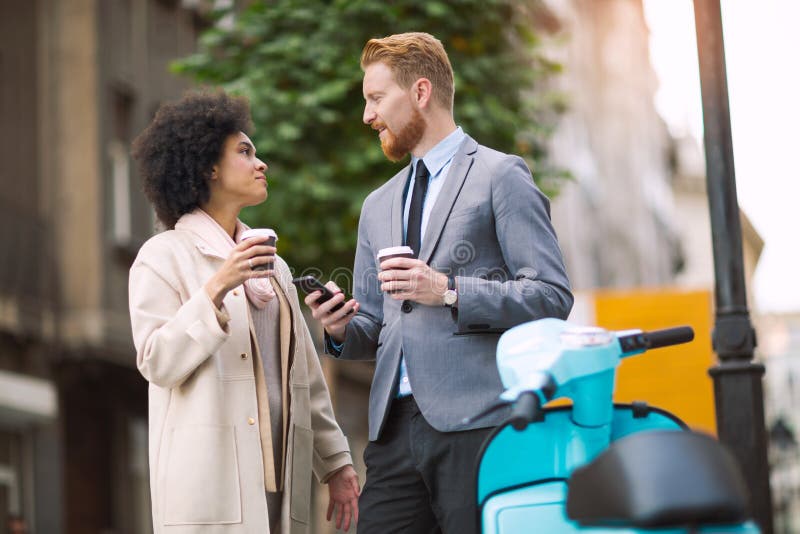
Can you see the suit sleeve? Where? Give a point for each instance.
(538, 286)
(361, 335)
(172, 338)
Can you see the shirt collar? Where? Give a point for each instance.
(442, 153)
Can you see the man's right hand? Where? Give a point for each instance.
(334, 323)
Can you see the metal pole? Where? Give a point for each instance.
(737, 379)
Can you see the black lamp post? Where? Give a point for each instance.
(738, 390)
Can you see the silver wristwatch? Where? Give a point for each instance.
(450, 297)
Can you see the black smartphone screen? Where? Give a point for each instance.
(309, 284)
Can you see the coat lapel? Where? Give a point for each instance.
(271, 483)
(285, 344)
(455, 178)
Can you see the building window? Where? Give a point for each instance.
(120, 193)
(12, 509)
(119, 166)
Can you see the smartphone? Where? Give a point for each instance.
(309, 284)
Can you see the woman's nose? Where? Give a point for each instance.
(261, 165)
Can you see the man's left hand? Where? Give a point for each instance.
(344, 489)
(412, 279)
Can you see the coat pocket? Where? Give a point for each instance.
(302, 450)
(201, 484)
(301, 405)
(468, 211)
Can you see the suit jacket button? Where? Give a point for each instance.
(406, 307)
(251, 421)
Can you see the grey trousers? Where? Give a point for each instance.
(419, 480)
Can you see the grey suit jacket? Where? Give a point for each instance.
(490, 228)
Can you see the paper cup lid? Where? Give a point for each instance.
(391, 251)
(259, 232)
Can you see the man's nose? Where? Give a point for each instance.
(369, 115)
(260, 165)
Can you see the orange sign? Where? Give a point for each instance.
(673, 378)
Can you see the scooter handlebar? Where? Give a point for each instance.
(525, 410)
(669, 336)
(654, 339)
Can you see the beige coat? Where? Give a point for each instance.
(206, 452)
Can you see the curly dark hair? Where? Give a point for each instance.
(178, 149)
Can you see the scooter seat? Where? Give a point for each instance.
(659, 479)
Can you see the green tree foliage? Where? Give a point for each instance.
(298, 62)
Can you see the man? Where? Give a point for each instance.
(487, 260)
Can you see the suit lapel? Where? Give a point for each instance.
(454, 181)
(397, 205)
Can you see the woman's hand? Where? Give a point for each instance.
(239, 267)
(344, 489)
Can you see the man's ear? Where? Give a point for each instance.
(422, 92)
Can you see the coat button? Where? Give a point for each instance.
(243, 355)
(406, 307)
(251, 421)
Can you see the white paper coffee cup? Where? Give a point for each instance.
(395, 252)
(269, 238)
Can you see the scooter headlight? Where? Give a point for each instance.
(576, 337)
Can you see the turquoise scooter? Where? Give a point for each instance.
(597, 467)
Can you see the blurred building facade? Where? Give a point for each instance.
(78, 80)
(779, 335)
(636, 212)
(616, 221)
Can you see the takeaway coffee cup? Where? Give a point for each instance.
(394, 252)
(271, 238)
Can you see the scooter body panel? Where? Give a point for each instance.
(552, 448)
(540, 509)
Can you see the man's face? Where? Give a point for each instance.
(390, 110)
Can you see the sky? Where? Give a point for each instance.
(762, 41)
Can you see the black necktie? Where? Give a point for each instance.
(414, 228)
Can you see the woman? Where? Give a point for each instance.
(239, 411)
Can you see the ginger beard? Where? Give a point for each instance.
(396, 146)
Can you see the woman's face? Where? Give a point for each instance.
(238, 177)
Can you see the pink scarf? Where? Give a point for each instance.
(259, 291)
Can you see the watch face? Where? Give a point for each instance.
(450, 297)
